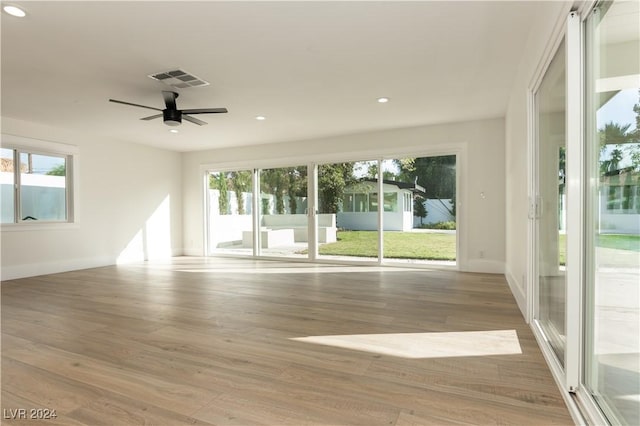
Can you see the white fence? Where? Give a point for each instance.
(436, 212)
(42, 197)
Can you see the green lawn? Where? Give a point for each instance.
(614, 241)
(435, 246)
(398, 245)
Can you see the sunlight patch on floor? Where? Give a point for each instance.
(426, 345)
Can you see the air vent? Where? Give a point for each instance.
(179, 79)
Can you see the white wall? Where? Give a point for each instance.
(129, 207)
(481, 205)
(538, 45)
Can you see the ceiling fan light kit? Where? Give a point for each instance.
(171, 115)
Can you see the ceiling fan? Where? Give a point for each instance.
(172, 116)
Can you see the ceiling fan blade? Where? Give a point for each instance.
(136, 105)
(204, 111)
(193, 120)
(151, 117)
(169, 99)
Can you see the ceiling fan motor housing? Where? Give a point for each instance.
(172, 117)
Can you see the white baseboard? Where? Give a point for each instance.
(484, 266)
(517, 289)
(192, 252)
(42, 268)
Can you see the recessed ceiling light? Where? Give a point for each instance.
(261, 117)
(383, 100)
(173, 130)
(15, 11)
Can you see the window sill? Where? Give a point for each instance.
(10, 227)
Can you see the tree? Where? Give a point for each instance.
(241, 183)
(219, 181)
(332, 181)
(296, 186)
(613, 134)
(436, 174)
(273, 181)
(265, 206)
(636, 109)
(634, 148)
(419, 210)
(59, 170)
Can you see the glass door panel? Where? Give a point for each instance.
(283, 212)
(7, 191)
(419, 218)
(551, 241)
(612, 332)
(348, 211)
(230, 213)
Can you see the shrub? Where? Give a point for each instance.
(449, 225)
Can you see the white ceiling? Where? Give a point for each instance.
(312, 68)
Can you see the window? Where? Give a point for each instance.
(373, 202)
(347, 203)
(36, 183)
(407, 202)
(390, 201)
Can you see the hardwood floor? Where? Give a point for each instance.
(212, 341)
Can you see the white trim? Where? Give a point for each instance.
(71, 154)
(532, 188)
(206, 199)
(380, 212)
(486, 266)
(325, 158)
(575, 202)
(312, 211)
(42, 268)
(192, 252)
(37, 146)
(555, 39)
(38, 226)
(517, 291)
(256, 204)
(462, 180)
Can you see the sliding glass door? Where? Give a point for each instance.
(419, 209)
(612, 331)
(551, 205)
(337, 211)
(347, 220)
(230, 201)
(283, 212)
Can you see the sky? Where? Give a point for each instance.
(619, 109)
(41, 163)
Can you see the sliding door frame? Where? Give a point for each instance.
(459, 149)
(560, 34)
(571, 378)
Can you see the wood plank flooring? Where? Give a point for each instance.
(211, 342)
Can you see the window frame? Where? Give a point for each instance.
(22, 145)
